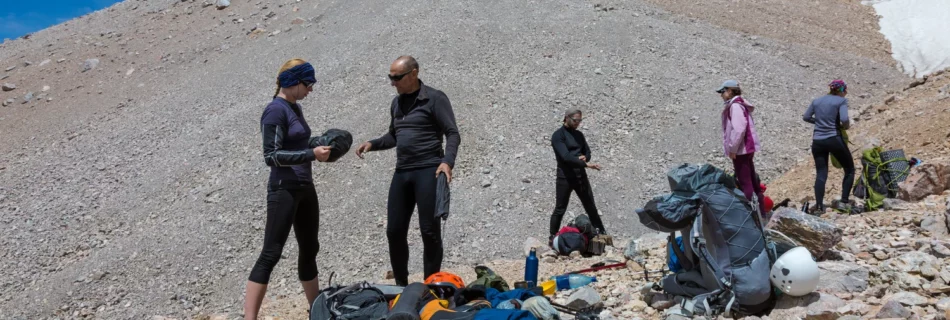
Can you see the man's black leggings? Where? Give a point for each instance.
(581, 186)
(290, 206)
(820, 150)
(411, 188)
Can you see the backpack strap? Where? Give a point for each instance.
(722, 250)
(680, 256)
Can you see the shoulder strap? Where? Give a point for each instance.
(683, 260)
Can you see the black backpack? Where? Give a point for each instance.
(360, 301)
(582, 223)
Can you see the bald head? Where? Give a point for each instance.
(406, 63)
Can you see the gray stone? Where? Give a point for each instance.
(911, 262)
(583, 297)
(943, 304)
(839, 277)
(8, 69)
(8, 87)
(44, 62)
(896, 204)
(8, 102)
(486, 183)
(90, 64)
(945, 274)
(893, 309)
(815, 234)
(825, 308)
(222, 4)
(28, 97)
(909, 298)
(937, 226)
(644, 245)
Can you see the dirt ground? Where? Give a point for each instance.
(837, 25)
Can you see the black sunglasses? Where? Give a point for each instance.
(399, 77)
(307, 84)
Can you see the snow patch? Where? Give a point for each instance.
(919, 32)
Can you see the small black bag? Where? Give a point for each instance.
(338, 140)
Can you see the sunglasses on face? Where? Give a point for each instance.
(577, 119)
(309, 85)
(399, 77)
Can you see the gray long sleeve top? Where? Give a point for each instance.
(827, 113)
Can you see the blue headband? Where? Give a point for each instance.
(295, 75)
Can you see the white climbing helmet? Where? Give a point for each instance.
(795, 272)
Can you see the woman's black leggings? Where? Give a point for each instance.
(290, 206)
(411, 188)
(581, 186)
(820, 149)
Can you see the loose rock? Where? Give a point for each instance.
(909, 298)
(90, 64)
(9, 87)
(583, 297)
(840, 277)
(893, 309)
(815, 234)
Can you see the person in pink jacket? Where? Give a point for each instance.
(739, 140)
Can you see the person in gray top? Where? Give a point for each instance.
(829, 114)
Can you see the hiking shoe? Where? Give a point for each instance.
(843, 207)
(817, 210)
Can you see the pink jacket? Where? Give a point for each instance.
(738, 128)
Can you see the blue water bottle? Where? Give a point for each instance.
(531, 269)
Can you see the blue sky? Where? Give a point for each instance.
(19, 17)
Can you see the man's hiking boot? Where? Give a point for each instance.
(817, 210)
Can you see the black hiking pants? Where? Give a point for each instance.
(413, 188)
(290, 205)
(581, 186)
(820, 149)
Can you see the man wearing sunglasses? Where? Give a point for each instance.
(573, 158)
(420, 117)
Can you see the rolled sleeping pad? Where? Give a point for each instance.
(409, 302)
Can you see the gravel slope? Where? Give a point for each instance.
(142, 193)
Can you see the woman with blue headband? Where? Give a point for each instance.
(829, 114)
(291, 197)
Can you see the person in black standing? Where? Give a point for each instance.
(573, 159)
(420, 117)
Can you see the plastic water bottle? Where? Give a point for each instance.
(531, 269)
(572, 281)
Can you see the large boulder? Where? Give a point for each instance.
(815, 234)
(929, 178)
(840, 277)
